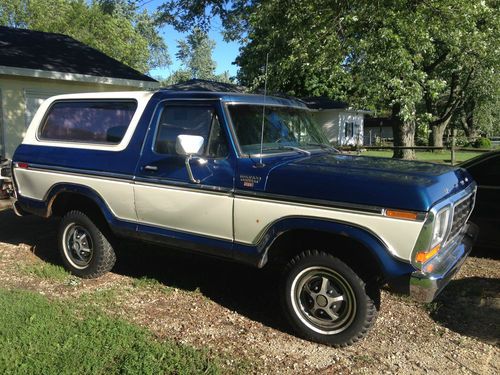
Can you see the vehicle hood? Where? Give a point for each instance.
(382, 182)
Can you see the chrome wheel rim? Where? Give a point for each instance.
(78, 246)
(323, 300)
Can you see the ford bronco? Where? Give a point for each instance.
(248, 178)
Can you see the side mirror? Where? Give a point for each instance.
(188, 144)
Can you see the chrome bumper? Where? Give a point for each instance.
(425, 285)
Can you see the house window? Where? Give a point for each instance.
(349, 129)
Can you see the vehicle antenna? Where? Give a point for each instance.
(263, 113)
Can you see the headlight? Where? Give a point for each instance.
(440, 231)
(441, 227)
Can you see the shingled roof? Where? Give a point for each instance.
(322, 102)
(206, 85)
(37, 50)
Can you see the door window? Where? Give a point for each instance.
(190, 120)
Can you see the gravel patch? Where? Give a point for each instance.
(232, 310)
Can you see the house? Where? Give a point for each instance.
(36, 65)
(377, 130)
(343, 125)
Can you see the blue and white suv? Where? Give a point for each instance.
(249, 178)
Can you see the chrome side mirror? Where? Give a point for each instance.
(189, 145)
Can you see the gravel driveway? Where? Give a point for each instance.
(232, 310)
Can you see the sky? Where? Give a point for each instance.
(224, 53)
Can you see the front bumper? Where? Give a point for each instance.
(425, 285)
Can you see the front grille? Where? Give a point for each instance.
(461, 212)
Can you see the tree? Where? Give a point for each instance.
(187, 15)
(414, 59)
(465, 45)
(304, 47)
(177, 76)
(115, 27)
(480, 112)
(195, 54)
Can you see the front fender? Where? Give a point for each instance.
(258, 253)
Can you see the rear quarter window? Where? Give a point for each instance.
(102, 121)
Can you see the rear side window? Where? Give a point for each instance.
(102, 121)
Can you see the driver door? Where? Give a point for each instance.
(168, 201)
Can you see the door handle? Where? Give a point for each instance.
(150, 168)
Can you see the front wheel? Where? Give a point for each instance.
(326, 301)
(85, 250)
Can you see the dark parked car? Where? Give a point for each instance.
(486, 171)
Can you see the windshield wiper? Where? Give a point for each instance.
(292, 148)
(323, 146)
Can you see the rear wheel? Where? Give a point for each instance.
(326, 301)
(85, 250)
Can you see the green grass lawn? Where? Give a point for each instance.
(40, 336)
(435, 157)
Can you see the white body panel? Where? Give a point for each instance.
(252, 216)
(199, 212)
(118, 195)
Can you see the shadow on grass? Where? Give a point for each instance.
(471, 307)
(248, 291)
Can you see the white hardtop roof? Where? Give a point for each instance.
(106, 95)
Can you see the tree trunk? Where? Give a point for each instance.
(467, 120)
(438, 132)
(404, 135)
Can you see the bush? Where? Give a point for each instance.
(462, 141)
(482, 142)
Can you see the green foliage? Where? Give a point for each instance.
(42, 337)
(46, 271)
(482, 142)
(422, 61)
(195, 53)
(115, 27)
(149, 283)
(186, 15)
(177, 76)
(305, 53)
(461, 141)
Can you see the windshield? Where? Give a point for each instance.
(285, 128)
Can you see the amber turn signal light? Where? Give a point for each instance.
(398, 214)
(423, 256)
